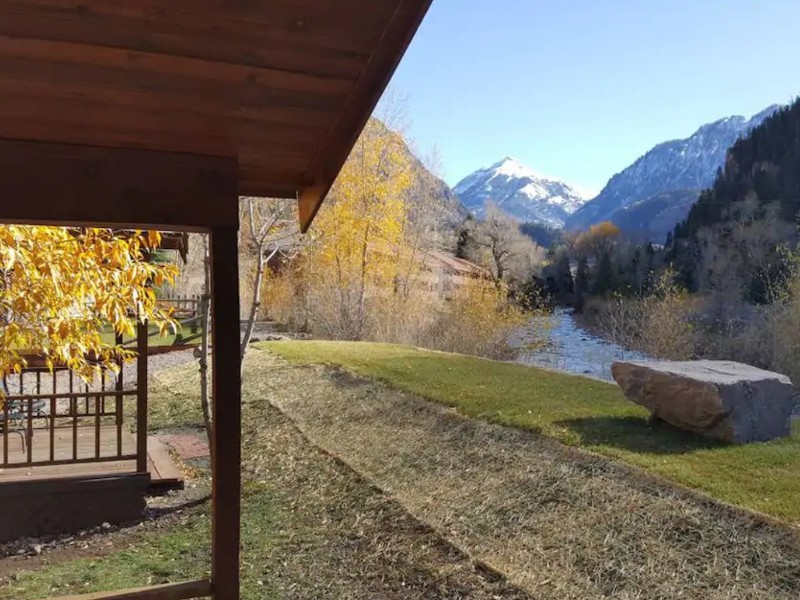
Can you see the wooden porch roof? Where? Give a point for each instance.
(159, 114)
(283, 87)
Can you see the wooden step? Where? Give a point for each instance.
(164, 473)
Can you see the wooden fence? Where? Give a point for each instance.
(190, 311)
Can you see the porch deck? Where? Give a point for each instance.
(164, 474)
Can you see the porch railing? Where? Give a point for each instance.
(56, 418)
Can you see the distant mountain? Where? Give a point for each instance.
(652, 219)
(691, 163)
(520, 192)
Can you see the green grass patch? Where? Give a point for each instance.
(577, 411)
(187, 334)
(149, 559)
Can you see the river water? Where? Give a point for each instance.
(557, 342)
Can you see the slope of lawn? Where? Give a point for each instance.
(577, 411)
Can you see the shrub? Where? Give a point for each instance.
(477, 320)
(660, 323)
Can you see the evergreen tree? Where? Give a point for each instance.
(604, 280)
(464, 236)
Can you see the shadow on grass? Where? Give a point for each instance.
(163, 511)
(637, 435)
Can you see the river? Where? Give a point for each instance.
(557, 342)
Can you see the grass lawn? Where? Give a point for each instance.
(577, 411)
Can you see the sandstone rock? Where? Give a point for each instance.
(721, 399)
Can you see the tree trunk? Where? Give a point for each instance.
(251, 319)
(259, 278)
(205, 305)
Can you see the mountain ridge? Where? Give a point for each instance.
(669, 167)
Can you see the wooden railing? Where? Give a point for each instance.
(61, 419)
(190, 313)
(182, 305)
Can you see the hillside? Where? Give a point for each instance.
(736, 233)
(428, 188)
(683, 164)
(651, 220)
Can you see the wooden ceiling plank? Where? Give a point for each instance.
(108, 114)
(136, 62)
(48, 131)
(188, 89)
(363, 21)
(245, 45)
(262, 189)
(195, 105)
(52, 131)
(343, 135)
(70, 115)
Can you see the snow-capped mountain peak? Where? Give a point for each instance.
(519, 191)
(512, 167)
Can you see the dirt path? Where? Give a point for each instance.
(561, 523)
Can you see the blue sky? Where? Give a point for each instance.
(578, 89)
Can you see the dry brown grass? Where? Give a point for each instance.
(340, 536)
(559, 522)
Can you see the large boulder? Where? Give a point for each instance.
(721, 399)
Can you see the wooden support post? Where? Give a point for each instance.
(118, 401)
(226, 410)
(141, 399)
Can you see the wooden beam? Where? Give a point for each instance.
(226, 411)
(170, 591)
(362, 101)
(65, 184)
(141, 398)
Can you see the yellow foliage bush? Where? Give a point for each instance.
(658, 324)
(478, 320)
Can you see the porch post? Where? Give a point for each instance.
(226, 394)
(141, 398)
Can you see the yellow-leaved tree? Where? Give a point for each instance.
(62, 288)
(358, 248)
(375, 265)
